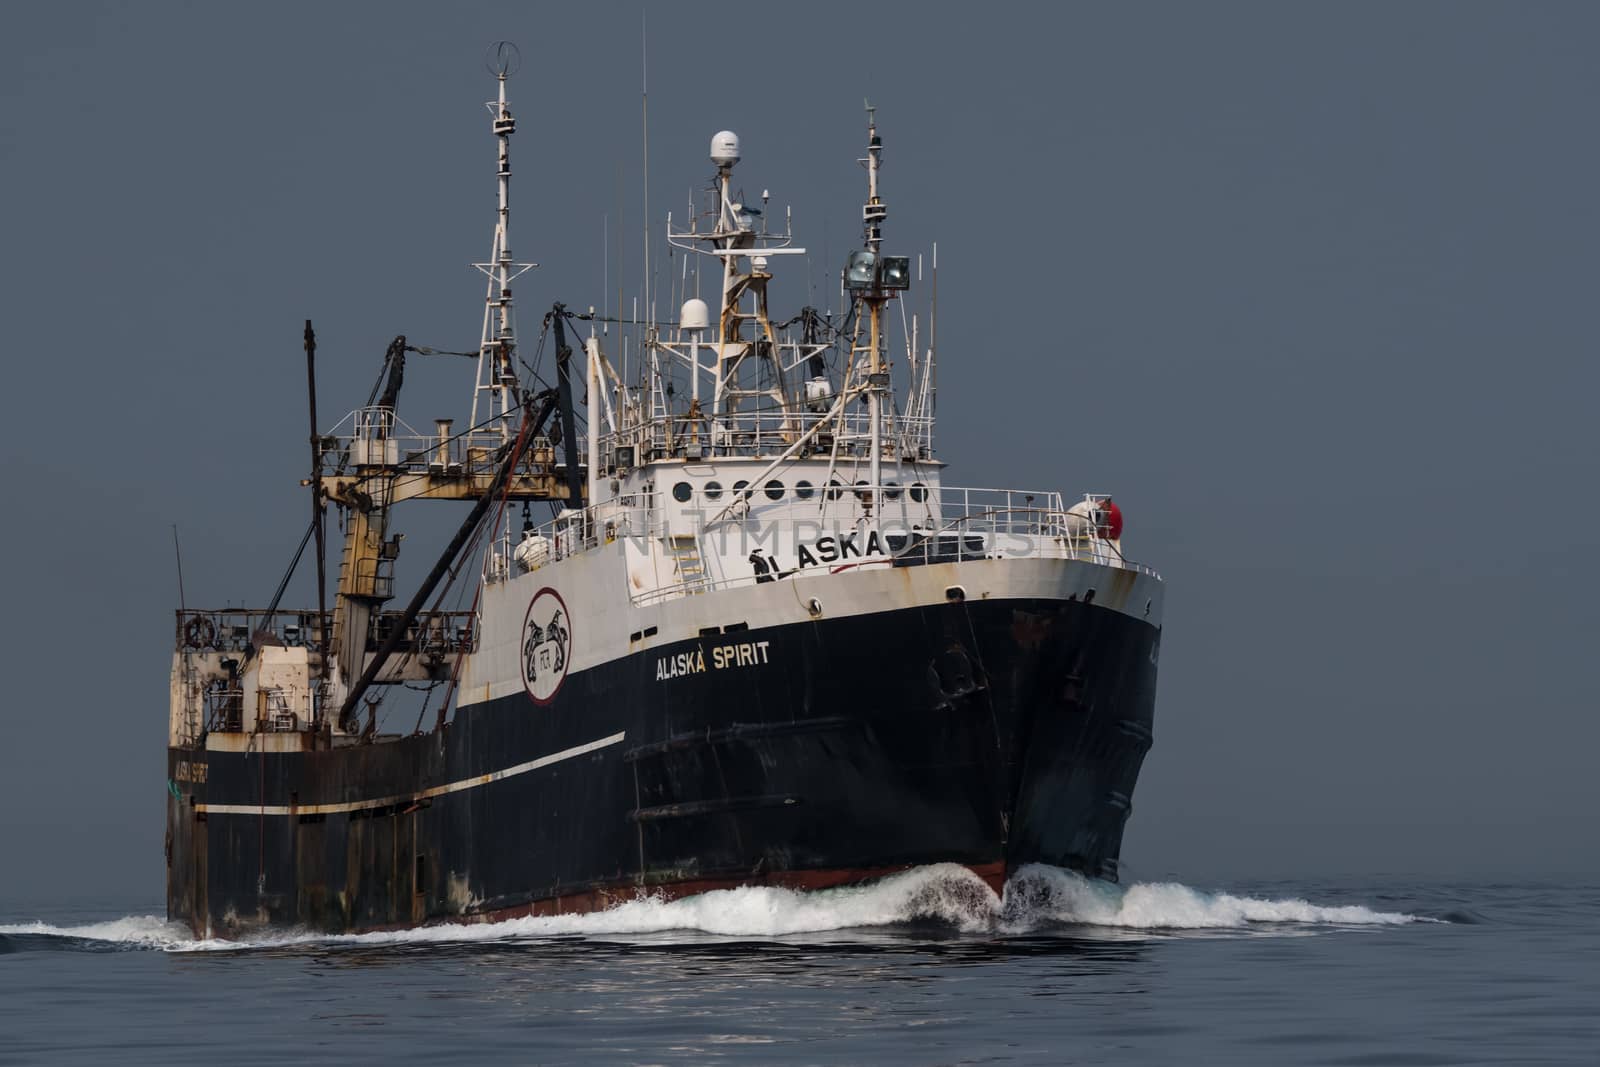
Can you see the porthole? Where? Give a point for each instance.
(891, 490)
(804, 490)
(682, 492)
(774, 490)
(713, 490)
(738, 489)
(835, 489)
(919, 492)
(861, 490)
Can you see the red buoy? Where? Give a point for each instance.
(1110, 525)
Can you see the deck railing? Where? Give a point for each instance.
(240, 629)
(916, 525)
(376, 435)
(762, 433)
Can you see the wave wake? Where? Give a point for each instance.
(130, 931)
(1037, 900)
(1038, 893)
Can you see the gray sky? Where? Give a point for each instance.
(1310, 288)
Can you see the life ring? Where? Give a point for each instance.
(200, 632)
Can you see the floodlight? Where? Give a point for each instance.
(862, 270)
(894, 272)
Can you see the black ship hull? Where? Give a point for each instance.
(991, 733)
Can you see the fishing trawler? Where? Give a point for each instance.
(757, 639)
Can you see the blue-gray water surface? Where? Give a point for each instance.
(927, 967)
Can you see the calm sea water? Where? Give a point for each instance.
(927, 967)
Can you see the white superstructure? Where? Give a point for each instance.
(747, 451)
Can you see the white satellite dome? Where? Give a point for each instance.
(725, 148)
(694, 315)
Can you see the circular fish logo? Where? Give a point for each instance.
(546, 645)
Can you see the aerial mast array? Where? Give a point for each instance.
(875, 278)
(496, 399)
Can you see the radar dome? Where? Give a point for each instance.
(725, 148)
(694, 315)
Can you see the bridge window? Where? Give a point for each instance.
(804, 490)
(713, 490)
(774, 490)
(682, 492)
(919, 492)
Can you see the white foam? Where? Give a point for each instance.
(946, 892)
(138, 931)
(1038, 894)
(1037, 898)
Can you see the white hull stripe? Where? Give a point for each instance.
(435, 791)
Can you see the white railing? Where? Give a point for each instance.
(762, 433)
(913, 525)
(377, 436)
(569, 534)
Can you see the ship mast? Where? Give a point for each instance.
(737, 243)
(872, 215)
(496, 400)
(382, 473)
(874, 279)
